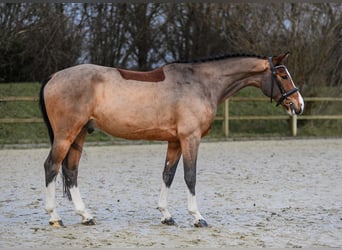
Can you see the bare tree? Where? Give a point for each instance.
(12, 47)
(38, 39)
(124, 35)
(56, 39)
(105, 33)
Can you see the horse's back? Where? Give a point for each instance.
(83, 74)
(78, 84)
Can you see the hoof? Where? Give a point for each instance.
(89, 222)
(57, 223)
(169, 222)
(201, 223)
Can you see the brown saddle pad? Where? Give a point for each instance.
(156, 75)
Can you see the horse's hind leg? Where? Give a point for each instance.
(52, 165)
(70, 173)
(171, 162)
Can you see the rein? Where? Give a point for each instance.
(284, 94)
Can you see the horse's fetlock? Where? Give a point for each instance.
(49, 210)
(162, 208)
(193, 212)
(81, 211)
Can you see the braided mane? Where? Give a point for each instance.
(221, 57)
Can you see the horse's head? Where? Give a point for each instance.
(280, 87)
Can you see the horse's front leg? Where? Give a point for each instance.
(171, 162)
(190, 147)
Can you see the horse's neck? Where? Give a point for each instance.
(226, 77)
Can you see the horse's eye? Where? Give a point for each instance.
(284, 77)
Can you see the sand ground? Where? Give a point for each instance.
(278, 193)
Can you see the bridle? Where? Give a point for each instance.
(284, 94)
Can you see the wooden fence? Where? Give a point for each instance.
(225, 117)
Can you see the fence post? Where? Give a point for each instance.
(226, 117)
(294, 125)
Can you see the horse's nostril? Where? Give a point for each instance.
(292, 107)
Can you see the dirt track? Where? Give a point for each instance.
(252, 193)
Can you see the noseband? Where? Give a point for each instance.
(284, 94)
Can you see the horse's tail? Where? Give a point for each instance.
(43, 109)
(67, 178)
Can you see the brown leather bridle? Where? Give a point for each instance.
(284, 94)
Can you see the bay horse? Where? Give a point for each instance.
(176, 103)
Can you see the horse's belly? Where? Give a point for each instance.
(135, 132)
(150, 134)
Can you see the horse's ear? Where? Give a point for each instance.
(278, 60)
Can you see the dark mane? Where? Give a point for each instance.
(221, 57)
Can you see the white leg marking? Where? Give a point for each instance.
(192, 207)
(162, 204)
(79, 205)
(50, 202)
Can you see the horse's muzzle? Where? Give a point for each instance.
(295, 111)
